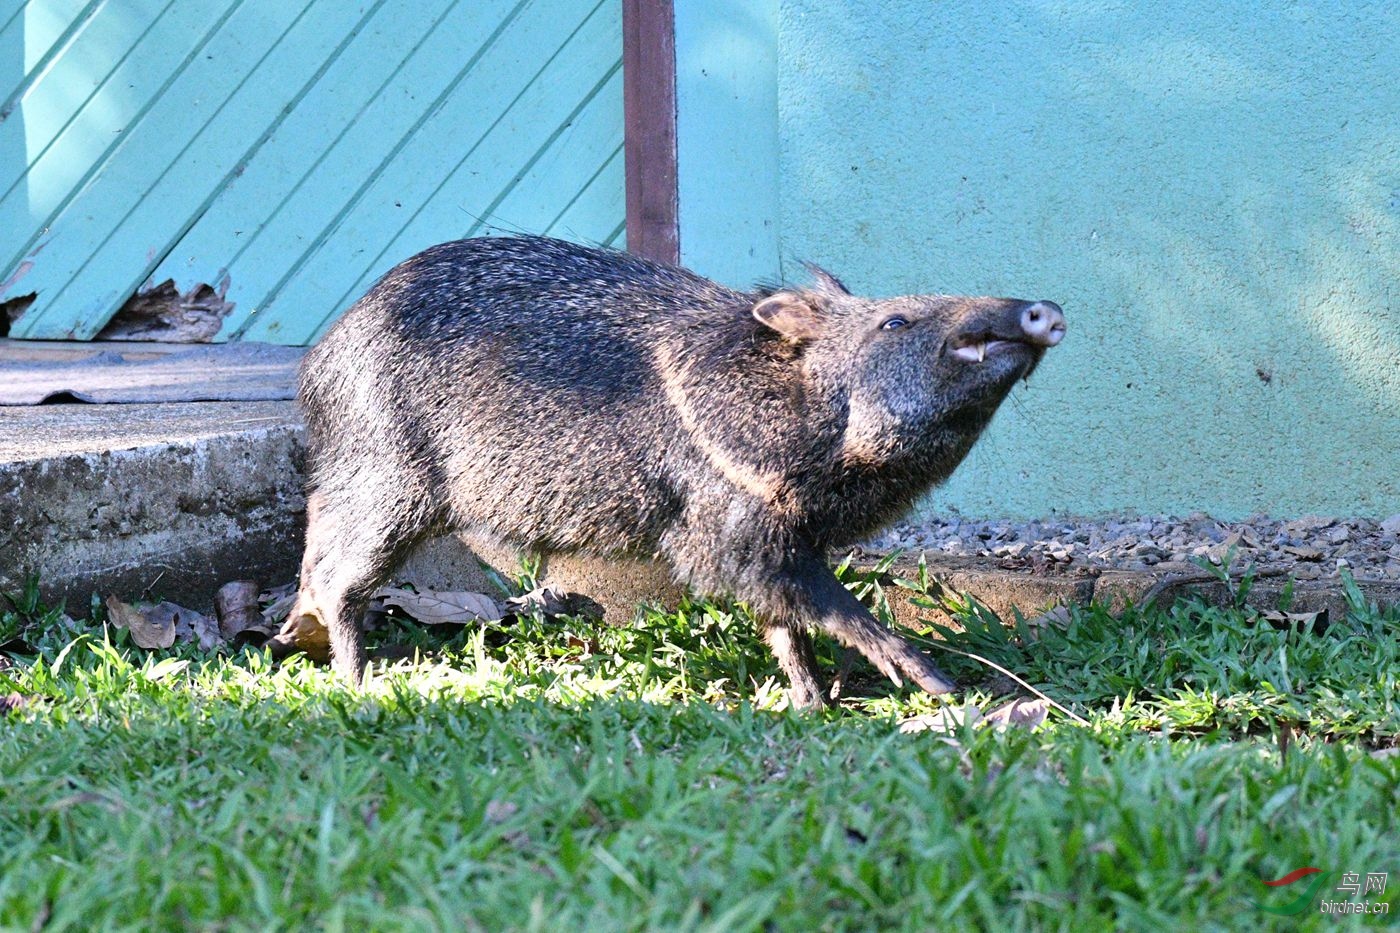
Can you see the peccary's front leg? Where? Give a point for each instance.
(792, 646)
(813, 592)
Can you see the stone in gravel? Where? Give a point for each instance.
(1218, 552)
(1148, 551)
(1391, 525)
(1304, 553)
(1177, 566)
(1243, 540)
(1339, 535)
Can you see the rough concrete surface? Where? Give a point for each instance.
(174, 499)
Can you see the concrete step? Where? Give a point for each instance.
(174, 499)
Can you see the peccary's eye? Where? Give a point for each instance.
(894, 323)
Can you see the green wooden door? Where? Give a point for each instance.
(272, 158)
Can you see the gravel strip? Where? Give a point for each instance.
(1310, 548)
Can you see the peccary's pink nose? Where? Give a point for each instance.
(1043, 323)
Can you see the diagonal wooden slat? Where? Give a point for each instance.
(289, 151)
(38, 30)
(403, 116)
(297, 178)
(138, 219)
(509, 103)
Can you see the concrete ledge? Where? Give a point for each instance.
(172, 498)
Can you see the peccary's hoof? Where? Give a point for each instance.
(928, 677)
(809, 699)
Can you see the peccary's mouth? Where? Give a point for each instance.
(974, 348)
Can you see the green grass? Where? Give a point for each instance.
(559, 775)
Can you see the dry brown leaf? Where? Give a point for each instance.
(584, 645)
(1019, 712)
(552, 601)
(145, 632)
(236, 606)
(1300, 621)
(498, 811)
(431, 607)
(549, 600)
(189, 625)
(275, 612)
(277, 592)
(1055, 617)
(945, 721)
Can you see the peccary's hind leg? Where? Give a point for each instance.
(352, 543)
(812, 591)
(791, 644)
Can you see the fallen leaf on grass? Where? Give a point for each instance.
(1056, 617)
(549, 600)
(277, 603)
(1019, 712)
(583, 645)
(145, 632)
(498, 811)
(236, 606)
(946, 720)
(189, 626)
(552, 601)
(1315, 622)
(437, 608)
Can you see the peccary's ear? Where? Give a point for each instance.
(798, 316)
(825, 282)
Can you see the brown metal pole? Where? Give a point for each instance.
(649, 104)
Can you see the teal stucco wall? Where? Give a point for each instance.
(1212, 191)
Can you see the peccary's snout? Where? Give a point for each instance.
(1043, 323)
(1005, 325)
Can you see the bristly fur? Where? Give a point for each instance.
(567, 398)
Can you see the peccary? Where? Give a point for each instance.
(571, 399)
